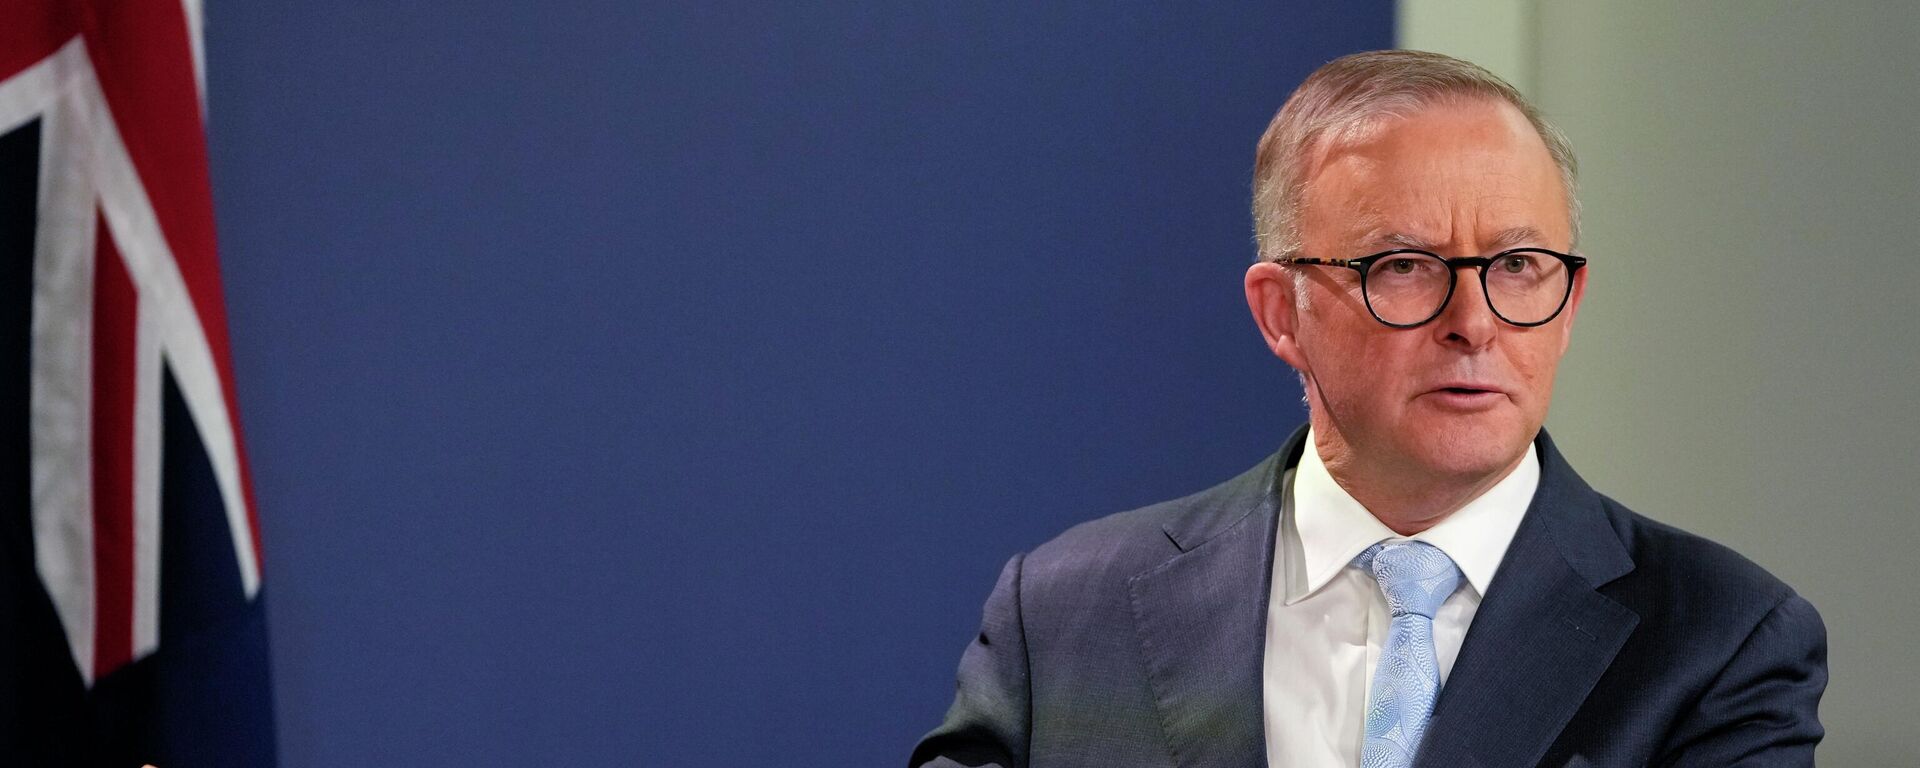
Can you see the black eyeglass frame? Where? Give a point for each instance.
(1365, 263)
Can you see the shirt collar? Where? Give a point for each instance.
(1331, 528)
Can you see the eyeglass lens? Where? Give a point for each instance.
(1524, 287)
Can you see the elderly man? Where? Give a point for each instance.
(1417, 577)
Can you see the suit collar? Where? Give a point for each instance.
(1257, 491)
(1576, 518)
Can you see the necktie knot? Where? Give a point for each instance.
(1415, 576)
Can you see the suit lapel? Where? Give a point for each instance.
(1542, 636)
(1201, 620)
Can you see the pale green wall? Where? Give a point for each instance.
(1747, 363)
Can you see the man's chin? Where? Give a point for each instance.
(1470, 450)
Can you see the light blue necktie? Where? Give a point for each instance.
(1416, 577)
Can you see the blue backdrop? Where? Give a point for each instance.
(666, 385)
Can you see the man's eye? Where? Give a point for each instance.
(1403, 266)
(1516, 264)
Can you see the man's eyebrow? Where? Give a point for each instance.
(1404, 240)
(1514, 237)
(1511, 237)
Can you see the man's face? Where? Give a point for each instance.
(1463, 395)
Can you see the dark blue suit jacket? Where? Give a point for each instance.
(1606, 639)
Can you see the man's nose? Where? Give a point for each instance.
(1468, 320)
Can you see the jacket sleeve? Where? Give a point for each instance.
(990, 720)
(1763, 708)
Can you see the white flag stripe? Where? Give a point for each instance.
(193, 10)
(146, 482)
(28, 95)
(61, 367)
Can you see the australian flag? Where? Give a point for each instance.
(131, 621)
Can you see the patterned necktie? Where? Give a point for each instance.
(1416, 577)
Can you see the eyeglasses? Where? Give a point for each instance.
(1406, 287)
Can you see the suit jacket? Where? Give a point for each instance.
(1605, 639)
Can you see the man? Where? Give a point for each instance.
(1417, 577)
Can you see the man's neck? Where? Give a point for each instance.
(1405, 500)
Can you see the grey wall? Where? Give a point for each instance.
(1743, 366)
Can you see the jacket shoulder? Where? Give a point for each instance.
(1726, 663)
(1687, 577)
(1123, 544)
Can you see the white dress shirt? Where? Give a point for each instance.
(1326, 619)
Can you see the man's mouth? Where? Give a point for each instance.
(1466, 387)
(1466, 396)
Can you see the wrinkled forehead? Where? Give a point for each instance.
(1473, 174)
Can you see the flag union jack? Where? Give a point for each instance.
(120, 454)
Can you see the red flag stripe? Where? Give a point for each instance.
(115, 318)
(30, 32)
(144, 57)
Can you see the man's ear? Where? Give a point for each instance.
(1270, 294)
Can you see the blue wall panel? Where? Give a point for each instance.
(666, 385)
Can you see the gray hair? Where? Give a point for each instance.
(1350, 95)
